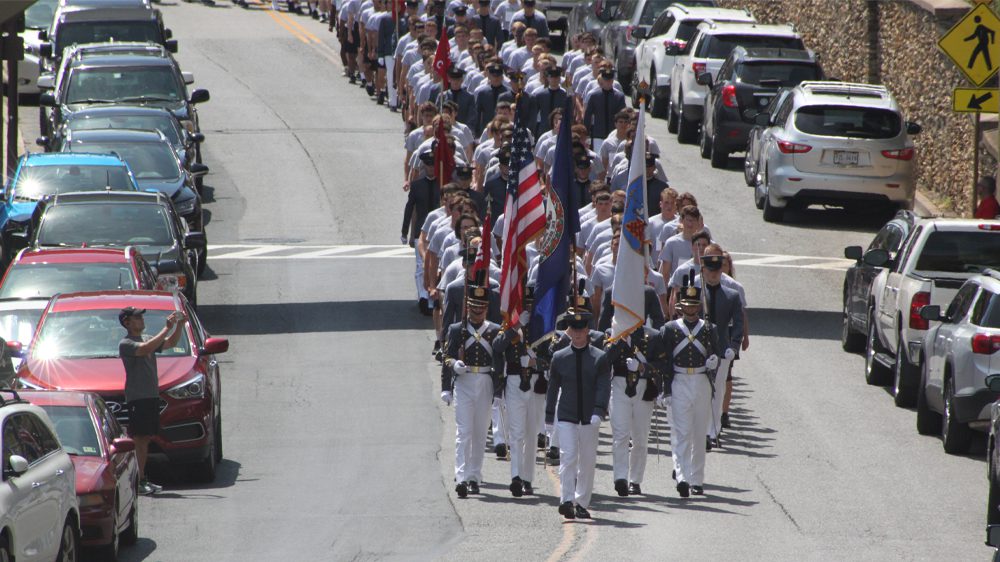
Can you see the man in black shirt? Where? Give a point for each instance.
(488, 96)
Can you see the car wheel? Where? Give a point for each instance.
(876, 374)
(993, 499)
(955, 436)
(199, 183)
(5, 555)
(202, 261)
(109, 551)
(204, 471)
(718, 155)
(904, 391)
(68, 550)
(218, 439)
(687, 131)
(850, 341)
(659, 100)
(759, 190)
(704, 148)
(672, 118)
(197, 154)
(928, 421)
(131, 533)
(771, 213)
(634, 96)
(749, 174)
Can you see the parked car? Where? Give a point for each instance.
(107, 472)
(936, 259)
(746, 83)
(752, 157)
(39, 509)
(858, 278)
(18, 320)
(37, 19)
(115, 219)
(45, 272)
(618, 37)
(675, 27)
(993, 467)
(835, 143)
(712, 43)
(957, 355)
(76, 348)
(591, 16)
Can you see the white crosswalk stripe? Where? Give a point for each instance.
(341, 252)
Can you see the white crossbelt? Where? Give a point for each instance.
(690, 338)
(476, 336)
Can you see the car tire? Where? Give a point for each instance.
(850, 340)
(659, 100)
(687, 131)
(771, 213)
(673, 120)
(993, 498)
(904, 391)
(205, 471)
(704, 146)
(634, 96)
(749, 174)
(69, 543)
(131, 533)
(928, 421)
(109, 552)
(199, 183)
(217, 443)
(955, 436)
(758, 189)
(5, 555)
(876, 374)
(718, 156)
(202, 262)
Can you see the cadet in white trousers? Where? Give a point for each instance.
(513, 362)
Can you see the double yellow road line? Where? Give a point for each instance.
(301, 33)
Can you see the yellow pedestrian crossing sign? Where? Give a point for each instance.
(974, 44)
(976, 100)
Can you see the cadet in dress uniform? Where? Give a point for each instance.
(466, 111)
(467, 375)
(687, 347)
(544, 101)
(724, 309)
(635, 384)
(579, 381)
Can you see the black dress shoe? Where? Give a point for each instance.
(352, 79)
(527, 489)
(541, 441)
(634, 489)
(582, 513)
(517, 487)
(698, 490)
(725, 421)
(683, 489)
(553, 454)
(567, 511)
(462, 489)
(380, 100)
(621, 486)
(473, 487)
(501, 450)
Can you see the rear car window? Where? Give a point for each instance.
(652, 9)
(960, 252)
(777, 74)
(719, 46)
(848, 121)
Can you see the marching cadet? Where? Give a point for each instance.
(602, 106)
(467, 377)
(635, 384)
(532, 18)
(466, 112)
(492, 32)
(687, 349)
(488, 95)
(579, 382)
(545, 101)
(724, 309)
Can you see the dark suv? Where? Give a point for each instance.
(747, 82)
(117, 219)
(73, 25)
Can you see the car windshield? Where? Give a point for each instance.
(39, 15)
(782, 74)
(135, 83)
(93, 334)
(163, 123)
(75, 429)
(74, 33)
(960, 252)
(719, 46)
(105, 224)
(47, 279)
(148, 160)
(848, 121)
(19, 325)
(35, 182)
(653, 9)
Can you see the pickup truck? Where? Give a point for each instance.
(936, 259)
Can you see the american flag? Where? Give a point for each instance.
(524, 219)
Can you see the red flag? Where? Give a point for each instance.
(398, 7)
(444, 155)
(483, 256)
(442, 58)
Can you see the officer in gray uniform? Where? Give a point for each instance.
(467, 378)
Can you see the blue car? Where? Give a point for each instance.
(38, 175)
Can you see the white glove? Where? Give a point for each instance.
(661, 400)
(632, 364)
(729, 355)
(459, 367)
(548, 429)
(531, 353)
(595, 419)
(496, 402)
(446, 397)
(712, 362)
(523, 319)
(525, 360)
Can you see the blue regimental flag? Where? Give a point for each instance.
(628, 293)
(555, 246)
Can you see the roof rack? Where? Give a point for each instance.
(16, 400)
(846, 89)
(990, 272)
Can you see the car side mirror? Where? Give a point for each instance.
(932, 312)
(762, 119)
(43, 35)
(47, 99)
(168, 33)
(215, 345)
(877, 258)
(639, 33)
(671, 50)
(122, 445)
(194, 240)
(197, 137)
(704, 79)
(913, 128)
(42, 141)
(198, 170)
(853, 253)
(18, 465)
(993, 536)
(171, 45)
(993, 383)
(45, 50)
(200, 96)
(14, 349)
(46, 82)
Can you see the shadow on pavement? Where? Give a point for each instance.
(177, 479)
(303, 317)
(795, 324)
(141, 550)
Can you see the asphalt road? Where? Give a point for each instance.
(336, 445)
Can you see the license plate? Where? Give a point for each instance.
(845, 158)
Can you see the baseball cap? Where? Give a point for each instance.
(128, 312)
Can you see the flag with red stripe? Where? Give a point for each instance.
(483, 256)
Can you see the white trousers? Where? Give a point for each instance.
(554, 434)
(473, 394)
(720, 395)
(524, 416)
(630, 417)
(390, 64)
(418, 276)
(499, 431)
(577, 461)
(690, 411)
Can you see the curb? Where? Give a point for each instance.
(924, 207)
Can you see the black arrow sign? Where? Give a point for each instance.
(977, 103)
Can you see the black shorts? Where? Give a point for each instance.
(144, 417)
(351, 47)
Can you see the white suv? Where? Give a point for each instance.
(39, 510)
(835, 142)
(959, 353)
(707, 51)
(672, 30)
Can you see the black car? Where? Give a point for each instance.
(118, 219)
(747, 82)
(129, 21)
(858, 279)
(993, 468)
(591, 16)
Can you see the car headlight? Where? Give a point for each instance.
(171, 281)
(91, 500)
(194, 388)
(186, 206)
(22, 383)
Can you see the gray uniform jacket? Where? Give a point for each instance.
(727, 310)
(599, 115)
(542, 104)
(466, 106)
(486, 106)
(586, 388)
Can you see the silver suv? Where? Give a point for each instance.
(834, 142)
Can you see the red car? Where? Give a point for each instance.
(48, 271)
(107, 472)
(76, 348)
